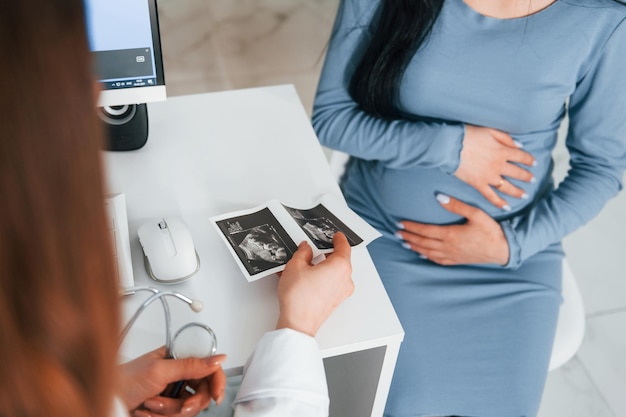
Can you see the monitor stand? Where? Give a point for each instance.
(126, 126)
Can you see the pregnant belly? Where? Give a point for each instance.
(411, 194)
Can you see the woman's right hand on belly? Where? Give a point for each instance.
(488, 160)
(480, 240)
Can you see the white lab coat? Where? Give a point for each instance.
(283, 377)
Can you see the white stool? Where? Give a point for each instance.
(570, 328)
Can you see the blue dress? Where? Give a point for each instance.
(478, 337)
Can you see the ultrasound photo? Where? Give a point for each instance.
(259, 240)
(320, 225)
(263, 239)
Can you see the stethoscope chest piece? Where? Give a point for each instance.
(194, 340)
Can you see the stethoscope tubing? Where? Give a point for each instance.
(160, 295)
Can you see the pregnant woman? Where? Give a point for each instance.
(450, 111)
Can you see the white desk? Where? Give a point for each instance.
(213, 153)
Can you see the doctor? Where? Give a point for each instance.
(59, 305)
(285, 374)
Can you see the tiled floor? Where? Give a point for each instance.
(224, 44)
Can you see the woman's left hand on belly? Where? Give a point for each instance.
(490, 159)
(479, 240)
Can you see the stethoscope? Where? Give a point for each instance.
(188, 337)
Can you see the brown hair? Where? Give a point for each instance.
(58, 296)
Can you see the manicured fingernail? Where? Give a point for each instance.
(216, 360)
(219, 399)
(423, 256)
(400, 226)
(442, 198)
(535, 163)
(190, 390)
(525, 196)
(506, 207)
(533, 180)
(406, 245)
(154, 404)
(190, 410)
(518, 144)
(398, 235)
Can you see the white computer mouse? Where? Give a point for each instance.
(169, 253)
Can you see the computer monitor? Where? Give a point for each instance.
(125, 42)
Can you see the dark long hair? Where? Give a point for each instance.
(400, 29)
(58, 294)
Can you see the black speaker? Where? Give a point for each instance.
(126, 126)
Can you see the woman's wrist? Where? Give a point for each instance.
(303, 326)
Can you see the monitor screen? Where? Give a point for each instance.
(124, 39)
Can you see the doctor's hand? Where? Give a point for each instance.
(479, 240)
(144, 378)
(308, 294)
(488, 158)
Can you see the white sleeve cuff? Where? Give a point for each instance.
(285, 364)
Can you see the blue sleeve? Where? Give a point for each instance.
(340, 124)
(596, 142)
